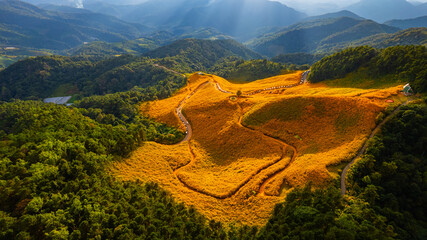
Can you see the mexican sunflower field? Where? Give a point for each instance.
(246, 152)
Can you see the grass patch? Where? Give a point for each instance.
(363, 79)
(65, 90)
(282, 110)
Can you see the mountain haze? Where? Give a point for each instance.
(383, 10)
(408, 23)
(25, 25)
(310, 36)
(240, 18)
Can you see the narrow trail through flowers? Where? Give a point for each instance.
(189, 131)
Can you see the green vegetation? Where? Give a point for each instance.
(54, 185)
(412, 36)
(298, 58)
(393, 64)
(240, 71)
(25, 25)
(408, 23)
(340, 64)
(102, 50)
(121, 109)
(6, 61)
(388, 191)
(391, 176)
(317, 35)
(190, 55)
(281, 110)
(323, 214)
(42, 77)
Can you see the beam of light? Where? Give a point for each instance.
(79, 3)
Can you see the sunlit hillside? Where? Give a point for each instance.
(245, 153)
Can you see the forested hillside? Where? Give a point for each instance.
(387, 192)
(99, 50)
(53, 183)
(240, 71)
(412, 36)
(311, 36)
(298, 58)
(400, 63)
(42, 77)
(191, 55)
(409, 23)
(25, 25)
(391, 177)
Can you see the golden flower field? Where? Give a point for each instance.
(247, 152)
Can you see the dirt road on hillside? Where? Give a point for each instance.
(365, 146)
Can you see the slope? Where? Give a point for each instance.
(308, 36)
(43, 77)
(25, 25)
(246, 153)
(343, 13)
(242, 24)
(383, 10)
(191, 55)
(142, 45)
(408, 23)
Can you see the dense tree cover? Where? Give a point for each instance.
(53, 183)
(103, 50)
(25, 25)
(342, 63)
(190, 55)
(122, 108)
(42, 77)
(318, 35)
(323, 214)
(238, 70)
(412, 36)
(392, 176)
(298, 58)
(406, 63)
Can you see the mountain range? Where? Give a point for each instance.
(408, 23)
(310, 35)
(267, 27)
(384, 10)
(25, 25)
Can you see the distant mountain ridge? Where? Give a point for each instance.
(384, 10)
(342, 13)
(238, 18)
(310, 36)
(189, 55)
(141, 45)
(408, 23)
(25, 25)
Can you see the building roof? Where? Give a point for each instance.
(57, 100)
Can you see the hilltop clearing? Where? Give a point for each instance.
(245, 153)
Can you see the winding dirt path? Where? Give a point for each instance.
(285, 146)
(189, 131)
(365, 146)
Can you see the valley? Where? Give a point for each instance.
(237, 160)
(213, 119)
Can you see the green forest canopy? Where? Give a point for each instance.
(404, 63)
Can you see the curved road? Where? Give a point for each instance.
(365, 146)
(189, 133)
